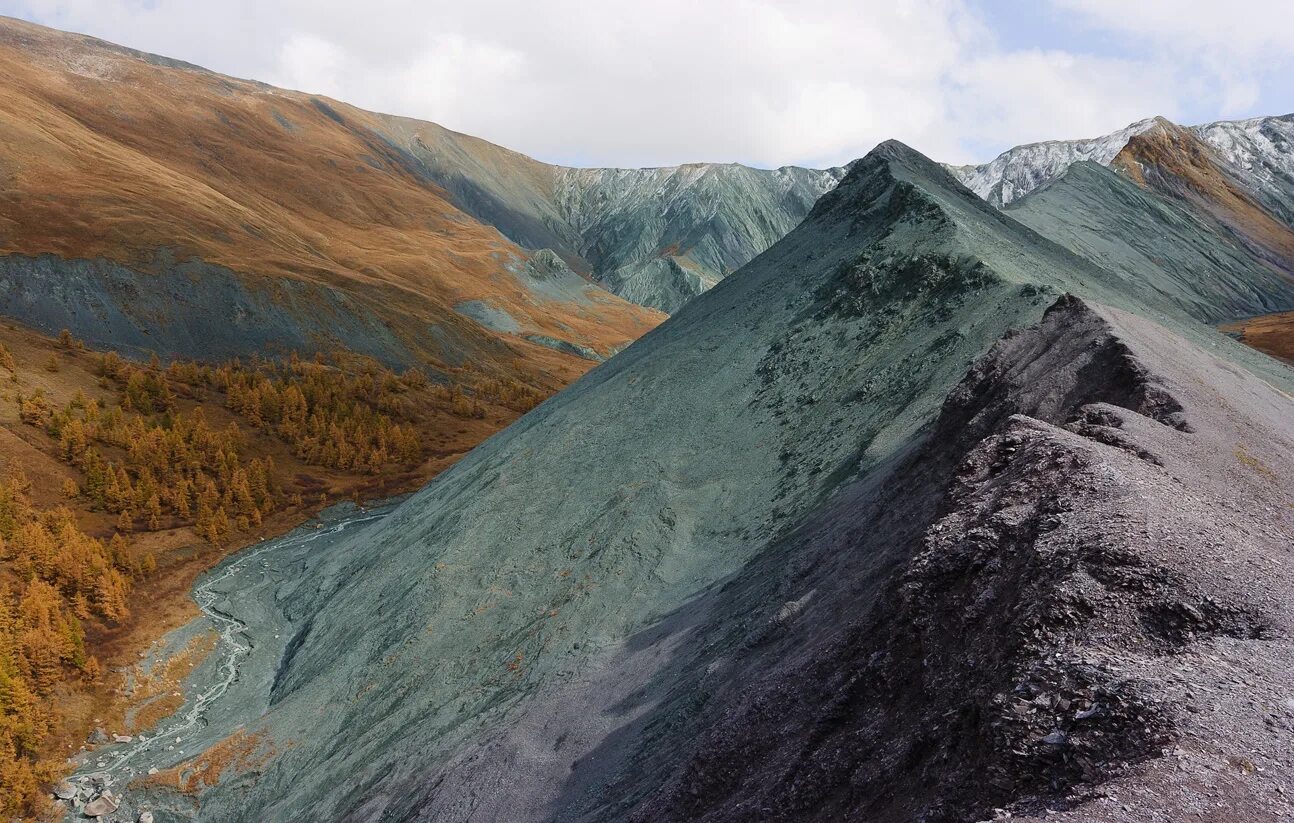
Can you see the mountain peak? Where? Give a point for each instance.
(895, 160)
(893, 149)
(1255, 147)
(1177, 163)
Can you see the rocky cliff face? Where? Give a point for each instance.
(660, 237)
(592, 621)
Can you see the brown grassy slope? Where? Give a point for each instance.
(1171, 161)
(109, 155)
(1270, 333)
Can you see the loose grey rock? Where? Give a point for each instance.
(101, 805)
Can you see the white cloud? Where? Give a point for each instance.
(1240, 30)
(1039, 95)
(762, 81)
(307, 60)
(1227, 53)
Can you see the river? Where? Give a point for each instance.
(239, 602)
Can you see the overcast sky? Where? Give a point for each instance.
(767, 82)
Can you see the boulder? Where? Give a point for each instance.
(101, 805)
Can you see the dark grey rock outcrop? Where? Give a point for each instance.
(1025, 614)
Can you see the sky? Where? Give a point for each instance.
(764, 82)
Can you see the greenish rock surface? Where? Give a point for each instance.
(461, 658)
(1164, 250)
(201, 311)
(660, 237)
(655, 236)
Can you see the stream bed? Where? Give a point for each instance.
(230, 689)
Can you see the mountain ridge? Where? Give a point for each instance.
(129, 170)
(829, 356)
(1020, 169)
(932, 508)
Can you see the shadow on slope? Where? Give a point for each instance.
(1008, 617)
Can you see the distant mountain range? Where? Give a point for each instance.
(163, 166)
(657, 237)
(148, 205)
(1259, 148)
(938, 496)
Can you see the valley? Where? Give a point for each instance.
(353, 468)
(226, 690)
(74, 423)
(672, 578)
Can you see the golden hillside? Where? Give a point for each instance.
(112, 155)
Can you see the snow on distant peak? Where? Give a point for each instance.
(1018, 171)
(1260, 150)
(1262, 146)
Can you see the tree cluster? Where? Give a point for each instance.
(55, 578)
(154, 466)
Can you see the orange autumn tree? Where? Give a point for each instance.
(151, 464)
(58, 578)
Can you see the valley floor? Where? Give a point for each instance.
(87, 685)
(221, 666)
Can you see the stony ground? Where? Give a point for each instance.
(806, 552)
(1082, 614)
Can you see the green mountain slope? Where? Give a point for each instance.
(657, 236)
(527, 603)
(1165, 249)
